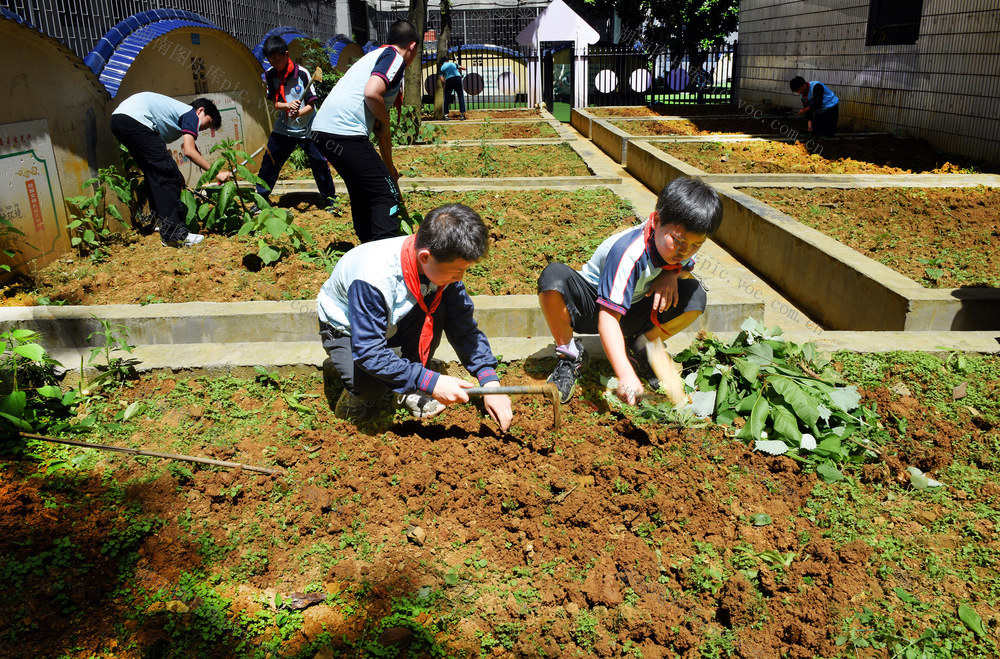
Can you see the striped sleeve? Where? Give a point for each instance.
(389, 66)
(621, 271)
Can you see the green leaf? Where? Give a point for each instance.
(771, 446)
(829, 473)
(761, 519)
(50, 391)
(905, 596)
(972, 620)
(276, 226)
(758, 416)
(846, 398)
(747, 369)
(267, 253)
(31, 351)
(226, 197)
(14, 403)
(785, 424)
(134, 408)
(801, 403)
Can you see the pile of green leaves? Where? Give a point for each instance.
(784, 398)
(32, 400)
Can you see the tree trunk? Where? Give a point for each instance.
(414, 83)
(444, 36)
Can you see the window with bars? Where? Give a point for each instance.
(893, 22)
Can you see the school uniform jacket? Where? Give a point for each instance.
(623, 267)
(366, 298)
(298, 87)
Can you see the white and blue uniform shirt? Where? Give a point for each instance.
(344, 111)
(366, 298)
(298, 87)
(167, 116)
(623, 267)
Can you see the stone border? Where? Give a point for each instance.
(837, 285)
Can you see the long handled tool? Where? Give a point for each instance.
(154, 454)
(546, 389)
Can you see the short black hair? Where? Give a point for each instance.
(796, 82)
(210, 110)
(402, 34)
(274, 45)
(454, 231)
(691, 204)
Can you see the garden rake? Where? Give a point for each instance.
(548, 389)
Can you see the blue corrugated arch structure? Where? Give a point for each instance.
(286, 32)
(113, 55)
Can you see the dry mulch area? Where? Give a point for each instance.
(879, 154)
(939, 237)
(660, 110)
(739, 124)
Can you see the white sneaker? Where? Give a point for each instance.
(419, 405)
(191, 240)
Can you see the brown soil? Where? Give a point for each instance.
(954, 230)
(495, 131)
(865, 155)
(523, 228)
(700, 126)
(661, 110)
(579, 540)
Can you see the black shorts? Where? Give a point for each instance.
(581, 301)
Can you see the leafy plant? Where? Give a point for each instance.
(782, 397)
(112, 369)
(8, 233)
(487, 156)
(32, 402)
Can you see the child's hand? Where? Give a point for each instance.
(448, 390)
(630, 389)
(664, 290)
(498, 407)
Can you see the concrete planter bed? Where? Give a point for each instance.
(505, 130)
(738, 124)
(838, 286)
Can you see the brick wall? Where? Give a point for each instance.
(944, 88)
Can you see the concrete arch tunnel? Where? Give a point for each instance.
(185, 56)
(53, 138)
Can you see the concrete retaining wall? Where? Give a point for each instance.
(190, 323)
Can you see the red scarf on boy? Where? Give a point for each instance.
(411, 277)
(283, 77)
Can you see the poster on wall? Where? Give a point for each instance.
(231, 129)
(32, 199)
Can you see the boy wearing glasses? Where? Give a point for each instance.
(636, 288)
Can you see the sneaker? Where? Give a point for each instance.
(191, 240)
(640, 364)
(462, 117)
(567, 372)
(354, 408)
(419, 405)
(254, 210)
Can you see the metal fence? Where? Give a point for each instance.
(494, 76)
(621, 76)
(498, 27)
(80, 24)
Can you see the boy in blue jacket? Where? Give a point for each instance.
(403, 293)
(820, 106)
(613, 295)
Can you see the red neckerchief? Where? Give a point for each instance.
(284, 76)
(411, 277)
(647, 232)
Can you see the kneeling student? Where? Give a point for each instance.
(403, 293)
(635, 289)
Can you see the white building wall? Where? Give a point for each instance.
(945, 88)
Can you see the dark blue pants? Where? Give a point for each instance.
(279, 147)
(163, 180)
(454, 84)
(376, 205)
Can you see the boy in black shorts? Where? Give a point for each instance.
(613, 295)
